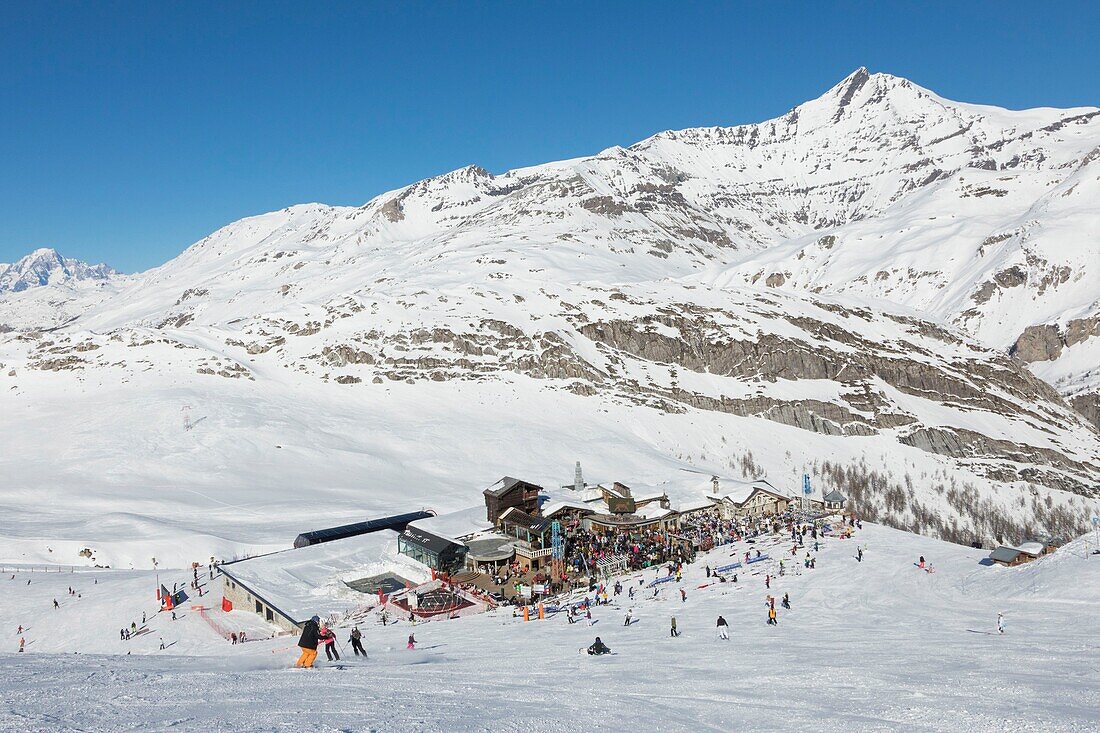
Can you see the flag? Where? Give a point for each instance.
(227, 605)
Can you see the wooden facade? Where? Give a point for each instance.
(508, 493)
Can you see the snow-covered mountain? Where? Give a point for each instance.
(44, 289)
(832, 292)
(46, 267)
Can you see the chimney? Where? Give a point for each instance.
(714, 484)
(578, 480)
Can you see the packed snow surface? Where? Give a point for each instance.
(878, 645)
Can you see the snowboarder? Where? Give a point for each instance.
(1000, 624)
(723, 629)
(329, 640)
(308, 643)
(921, 563)
(598, 647)
(786, 601)
(683, 596)
(708, 571)
(55, 604)
(859, 554)
(22, 643)
(356, 640)
(674, 631)
(173, 615)
(627, 621)
(412, 642)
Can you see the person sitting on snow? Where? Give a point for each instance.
(598, 647)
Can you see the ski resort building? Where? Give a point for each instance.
(439, 553)
(1010, 555)
(508, 493)
(327, 579)
(750, 499)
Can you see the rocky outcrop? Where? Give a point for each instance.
(1038, 343)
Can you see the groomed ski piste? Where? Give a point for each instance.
(877, 645)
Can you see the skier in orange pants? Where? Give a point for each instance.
(308, 643)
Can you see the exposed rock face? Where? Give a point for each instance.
(1038, 343)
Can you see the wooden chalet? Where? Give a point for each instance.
(511, 493)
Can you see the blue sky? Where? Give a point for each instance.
(129, 131)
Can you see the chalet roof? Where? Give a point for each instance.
(695, 505)
(834, 496)
(520, 518)
(1004, 554)
(553, 507)
(738, 492)
(503, 486)
(1032, 547)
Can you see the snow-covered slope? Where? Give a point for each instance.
(627, 309)
(876, 645)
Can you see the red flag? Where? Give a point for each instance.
(227, 605)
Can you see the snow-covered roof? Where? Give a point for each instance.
(738, 492)
(456, 525)
(1031, 547)
(1004, 554)
(834, 496)
(310, 580)
(653, 511)
(693, 505)
(551, 508)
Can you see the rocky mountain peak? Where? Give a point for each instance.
(45, 266)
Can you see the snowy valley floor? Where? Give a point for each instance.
(872, 646)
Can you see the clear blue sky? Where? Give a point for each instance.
(129, 131)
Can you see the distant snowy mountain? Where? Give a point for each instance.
(44, 290)
(833, 292)
(46, 267)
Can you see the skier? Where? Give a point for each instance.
(412, 642)
(588, 615)
(921, 563)
(143, 618)
(173, 615)
(683, 596)
(1000, 624)
(768, 581)
(627, 621)
(674, 631)
(708, 571)
(233, 637)
(723, 629)
(308, 643)
(630, 592)
(570, 615)
(771, 616)
(122, 634)
(55, 604)
(329, 640)
(22, 643)
(859, 554)
(786, 601)
(598, 647)
(357, 642)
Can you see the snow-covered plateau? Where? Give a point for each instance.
(891, 292)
